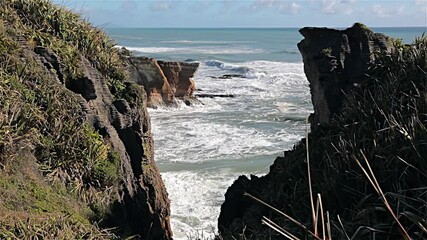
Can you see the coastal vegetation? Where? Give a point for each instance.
(61, 178)
(58, 175)
(367, 168)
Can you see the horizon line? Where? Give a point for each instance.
(340, 27)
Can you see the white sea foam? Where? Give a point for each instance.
(245, 71)
(205, 42)
(194, 50)
(150, 49)
(201, 149)
(198, 195)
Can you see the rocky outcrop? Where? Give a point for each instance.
(163, 81)
(142, 204)
(335, 60)
(179, 75)
(147, 72)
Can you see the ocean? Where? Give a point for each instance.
(201, 149)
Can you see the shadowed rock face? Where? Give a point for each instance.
(142, 206)
(163, 81)
(335, 60)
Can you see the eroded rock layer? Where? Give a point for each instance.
(163, 81)
(143, 206)
(335, 60)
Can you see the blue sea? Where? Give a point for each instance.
(202, 149)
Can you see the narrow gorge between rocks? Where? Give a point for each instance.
(159, 133)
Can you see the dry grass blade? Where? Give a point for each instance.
(421, 223)
(372, 179)
(283, 214)
(319, 199)
(328, 225)
(278, 229)
(309, 176)
(343, 228)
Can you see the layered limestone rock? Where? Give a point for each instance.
(335, 60)
(163, 81)
(142, 204)
(147, 72)
(179, 75)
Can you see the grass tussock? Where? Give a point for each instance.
(72, 166)
(41, 23)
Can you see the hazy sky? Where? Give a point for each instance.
(250, 13)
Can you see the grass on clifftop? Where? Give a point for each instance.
(41, 23)
(57, 174)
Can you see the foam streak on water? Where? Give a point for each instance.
(202, 149)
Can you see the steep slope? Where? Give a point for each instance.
(75, 133)
(370, 115)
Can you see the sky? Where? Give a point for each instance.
(250, 13)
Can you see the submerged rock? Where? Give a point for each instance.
(229, 76)
(208, 95)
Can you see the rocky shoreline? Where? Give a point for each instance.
(358, 81)
(77, 158)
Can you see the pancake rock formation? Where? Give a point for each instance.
(143, 206)
(334, 61)
(164, 81)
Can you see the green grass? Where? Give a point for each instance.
(74, 172)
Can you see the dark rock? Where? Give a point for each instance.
(207, 95)
(82, 86)
(230, 76)
(122, 106)
(143, 205)
(334, 60)
(51, 61)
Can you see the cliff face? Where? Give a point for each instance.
(335, 60)
(144, 205)
(72, 115)
(360, 99)
(163, 81)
